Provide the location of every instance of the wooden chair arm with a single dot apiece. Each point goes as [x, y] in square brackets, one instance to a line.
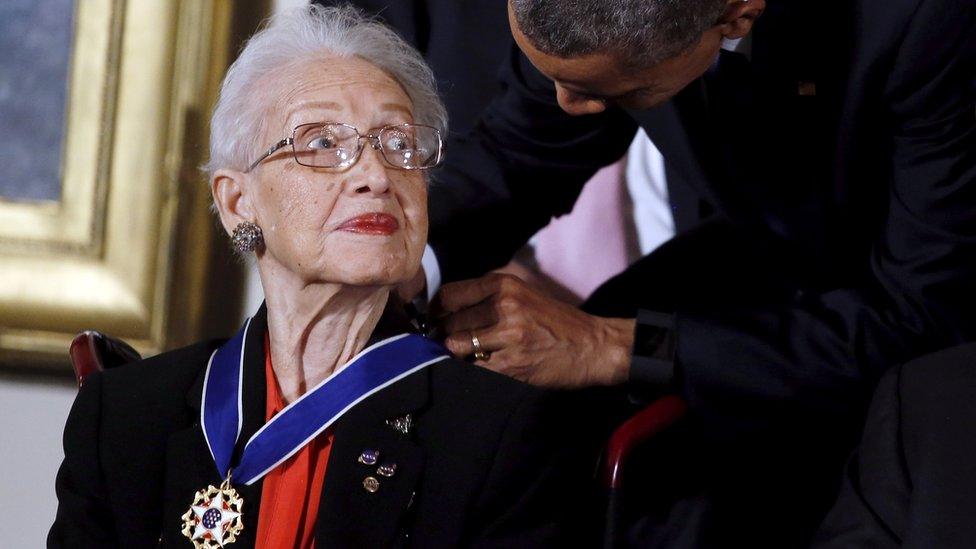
[642, 426]
[92, 351]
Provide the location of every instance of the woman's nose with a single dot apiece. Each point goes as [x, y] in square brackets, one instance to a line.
[370, 174]
[576, 104]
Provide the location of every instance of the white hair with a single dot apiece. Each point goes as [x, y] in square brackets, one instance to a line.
[310, 33]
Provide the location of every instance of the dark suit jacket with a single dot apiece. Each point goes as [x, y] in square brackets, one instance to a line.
[842, 240]
[912, 481]
[489, 462]
[464, 43]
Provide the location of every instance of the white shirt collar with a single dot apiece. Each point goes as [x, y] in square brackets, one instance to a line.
[739, 45]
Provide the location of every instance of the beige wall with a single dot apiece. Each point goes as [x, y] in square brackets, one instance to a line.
[32, 414]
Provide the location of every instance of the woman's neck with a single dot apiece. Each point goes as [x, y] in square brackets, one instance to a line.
[316, 328]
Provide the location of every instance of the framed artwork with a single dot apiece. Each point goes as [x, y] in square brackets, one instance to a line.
[104, 215]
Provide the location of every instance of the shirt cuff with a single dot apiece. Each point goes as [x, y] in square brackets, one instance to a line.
[655, 341]
[432, 271]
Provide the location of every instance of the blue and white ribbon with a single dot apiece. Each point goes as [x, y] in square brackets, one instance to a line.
[221, 414]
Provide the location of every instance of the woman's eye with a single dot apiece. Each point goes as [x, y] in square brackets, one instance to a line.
[396, 142]
[322, 142]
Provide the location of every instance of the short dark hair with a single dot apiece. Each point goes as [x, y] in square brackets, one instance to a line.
[640, 32]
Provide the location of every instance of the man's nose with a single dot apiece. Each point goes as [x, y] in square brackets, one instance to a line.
[577, 104]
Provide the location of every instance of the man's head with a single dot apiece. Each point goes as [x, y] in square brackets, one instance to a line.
[634, 53]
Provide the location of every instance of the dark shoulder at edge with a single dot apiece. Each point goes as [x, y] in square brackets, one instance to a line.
[946, 367]
[172, 370]
[474, 382]
[576, 418]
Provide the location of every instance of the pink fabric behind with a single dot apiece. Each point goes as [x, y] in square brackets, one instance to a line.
[584, 248]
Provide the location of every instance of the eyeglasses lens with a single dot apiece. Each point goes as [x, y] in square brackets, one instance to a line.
[410, 146]
[334, 145]
[325, 145]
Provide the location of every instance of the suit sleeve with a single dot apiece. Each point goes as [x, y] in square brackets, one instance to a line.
[83, 518]
[873, 501]
[818, 355]
[911, 481]
[524, 163]
[535, 494]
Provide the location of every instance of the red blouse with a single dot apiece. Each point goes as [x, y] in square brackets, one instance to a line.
[290, 494]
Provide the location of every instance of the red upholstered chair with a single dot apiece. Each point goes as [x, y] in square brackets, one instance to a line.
[641, 428]
[93, 351]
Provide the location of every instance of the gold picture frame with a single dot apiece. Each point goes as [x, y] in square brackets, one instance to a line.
[130, 248]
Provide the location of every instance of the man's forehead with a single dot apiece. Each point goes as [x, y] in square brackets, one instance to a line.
[585, 69]
[597, 76]
[596, 73]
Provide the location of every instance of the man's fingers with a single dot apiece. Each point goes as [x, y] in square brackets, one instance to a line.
[503, 361]
[480, 316]
[499, 361]
[511, 363]
[461, 344]
[459, 295]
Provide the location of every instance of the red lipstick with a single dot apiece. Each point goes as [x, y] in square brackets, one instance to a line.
[374, 223]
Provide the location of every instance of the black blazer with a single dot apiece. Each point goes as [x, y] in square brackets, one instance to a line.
[912, 481]
[489, 463]
[839, 170]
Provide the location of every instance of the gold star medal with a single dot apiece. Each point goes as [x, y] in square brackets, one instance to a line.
[214, 518]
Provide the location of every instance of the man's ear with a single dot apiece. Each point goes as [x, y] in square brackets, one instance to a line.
[232, 198]
[739, 17]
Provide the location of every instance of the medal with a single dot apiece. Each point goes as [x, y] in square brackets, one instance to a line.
[214, 519]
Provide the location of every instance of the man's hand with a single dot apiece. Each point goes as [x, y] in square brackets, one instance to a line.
[532, 337]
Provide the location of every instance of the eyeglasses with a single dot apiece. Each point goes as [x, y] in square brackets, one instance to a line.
[337, 145]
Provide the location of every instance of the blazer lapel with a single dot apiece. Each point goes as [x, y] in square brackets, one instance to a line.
[676, 128]
[189, 468]
[189, 465]
[694, 140]
[360, 505]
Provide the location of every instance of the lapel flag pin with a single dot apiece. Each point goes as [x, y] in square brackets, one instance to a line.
[403, 424]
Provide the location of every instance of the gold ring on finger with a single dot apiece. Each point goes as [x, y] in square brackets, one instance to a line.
[479, 353]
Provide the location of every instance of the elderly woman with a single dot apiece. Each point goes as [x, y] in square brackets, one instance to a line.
[327, 420]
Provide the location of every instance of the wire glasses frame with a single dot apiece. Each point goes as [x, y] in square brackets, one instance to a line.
[339, 145]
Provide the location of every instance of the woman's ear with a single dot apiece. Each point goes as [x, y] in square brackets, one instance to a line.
[739, 17]
[232, 198]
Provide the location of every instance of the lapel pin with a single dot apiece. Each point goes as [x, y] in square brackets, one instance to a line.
[386, 470]
[369, 457]
[403, 424]
[371, 484]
